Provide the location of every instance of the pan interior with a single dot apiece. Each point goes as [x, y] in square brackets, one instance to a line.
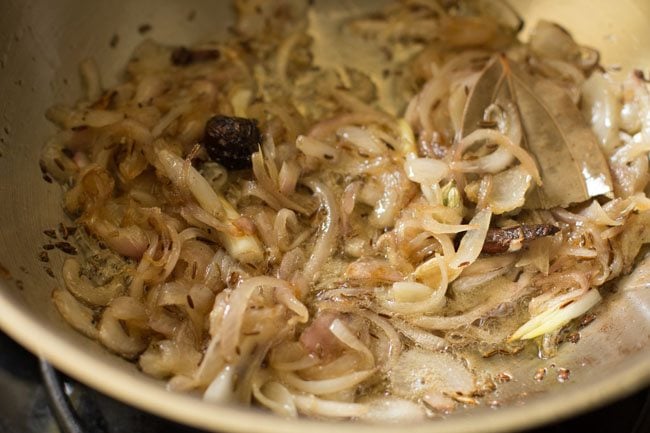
[40, 47]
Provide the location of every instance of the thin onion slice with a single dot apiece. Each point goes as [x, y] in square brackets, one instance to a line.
[553, 319]
[326, 386]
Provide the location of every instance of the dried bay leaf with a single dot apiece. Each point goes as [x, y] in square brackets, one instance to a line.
[571, 164]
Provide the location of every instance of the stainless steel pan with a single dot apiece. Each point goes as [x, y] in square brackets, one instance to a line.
[41, 43]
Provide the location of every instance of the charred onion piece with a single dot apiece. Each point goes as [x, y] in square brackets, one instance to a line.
[182, 56]
[230, 141]
[503, 240]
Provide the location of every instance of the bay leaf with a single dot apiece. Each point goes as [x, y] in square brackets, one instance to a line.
[571, 163]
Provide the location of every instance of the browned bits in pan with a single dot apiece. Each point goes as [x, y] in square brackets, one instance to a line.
[183, 56]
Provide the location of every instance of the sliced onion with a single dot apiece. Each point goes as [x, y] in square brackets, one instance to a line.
[411, 297]
[425, 171]
[342, 332]
[277, 398]
[315, 148]
[328, 232]
[82, 288]
[221, 388]
[555, 318]
[75, 314]
[326, 386]
[601, 107]
[596, 214]
[234, 315]
[508, 190]
[364, 140]
[472, 243]
[177, 169]
[481, 164]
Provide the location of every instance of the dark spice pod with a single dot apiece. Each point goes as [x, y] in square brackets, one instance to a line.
[231, 141]
[503, 240]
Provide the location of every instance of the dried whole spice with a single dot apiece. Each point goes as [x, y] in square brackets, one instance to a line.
[231, 141]
[571, 163]
[503, 240]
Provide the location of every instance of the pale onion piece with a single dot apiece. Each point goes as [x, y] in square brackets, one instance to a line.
[508, 190]
[149, 87]
[113, 335]
[328, 231]
[425, 171]
[288, 177]
[419, 372]
[215, 174]
[245, 248]
[168, 357]
[406, 138]
[410, 291]
[436, 227]
[579, 252]
[485, 265]
[494, 162]
[553, 319]
[276, 397]
[503, 141]
[340, 331]
[550, 40]
[393, 410]
[431, 271]
[314, 406]
[177, 169]
[326, 386]
[417, 297]
[472, 243]
[366, 269]
[221, 389]
[457, 101]
[394, 342]
[364, 140]
[164, 122]
[468, 283]
[537, 255]
[316, 148]
[601, 106]
[289, 300]
[240, 100]
[306, 361]
[130, 310]
[77, 315]
[632, 150]
[386, 209]
[90, 79]
[68, 118]
[83, 289]
[130, 241]
[596, 214]
[233, 317]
